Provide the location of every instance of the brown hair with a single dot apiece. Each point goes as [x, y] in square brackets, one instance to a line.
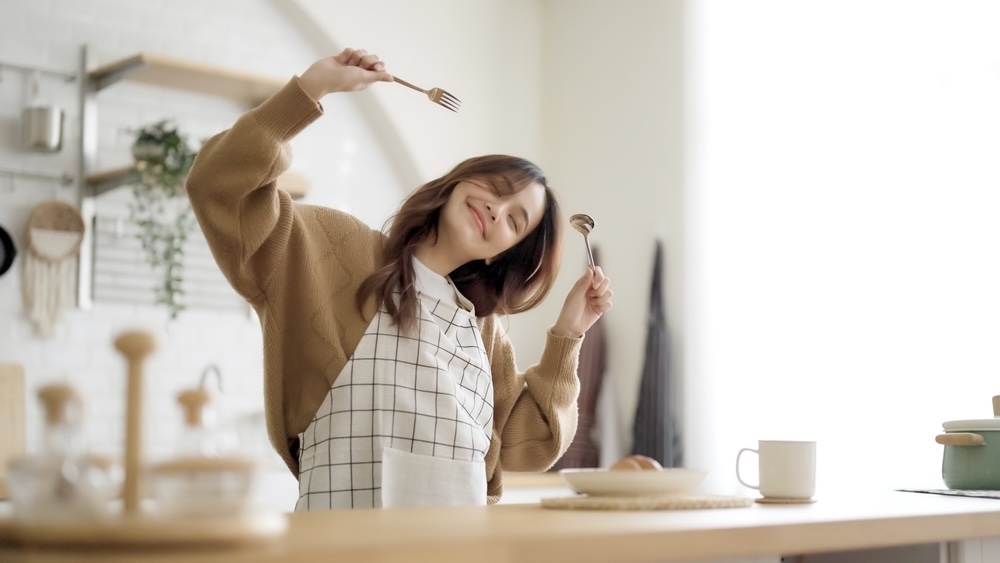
[517, 280]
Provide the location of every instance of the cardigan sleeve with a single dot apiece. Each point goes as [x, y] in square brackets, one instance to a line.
[535, 412]
[246, 219]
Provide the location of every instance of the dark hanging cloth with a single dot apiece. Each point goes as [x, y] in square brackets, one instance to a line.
[583, 451]
[654, 432]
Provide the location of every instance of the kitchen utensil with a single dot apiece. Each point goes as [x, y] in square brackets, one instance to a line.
[585, 224]
[135, 527]
[670, 480]
[61, 484]
[7, 251]
[41, 124]
[201, 481]
[971, 457]
[436, 95]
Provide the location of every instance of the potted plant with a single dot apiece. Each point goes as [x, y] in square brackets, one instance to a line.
[159, 206]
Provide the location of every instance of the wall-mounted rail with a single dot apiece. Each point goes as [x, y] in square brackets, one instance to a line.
[67, 76]
[65, 179]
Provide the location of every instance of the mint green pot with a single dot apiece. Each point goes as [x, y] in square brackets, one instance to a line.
[971, 458]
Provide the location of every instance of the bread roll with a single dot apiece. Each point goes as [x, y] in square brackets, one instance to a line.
[636, 462]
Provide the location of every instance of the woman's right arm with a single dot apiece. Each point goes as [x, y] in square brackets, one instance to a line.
[246, 219]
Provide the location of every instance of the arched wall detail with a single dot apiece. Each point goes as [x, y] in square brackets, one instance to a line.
[387, 134]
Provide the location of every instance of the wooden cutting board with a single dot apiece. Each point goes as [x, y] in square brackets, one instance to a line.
[11, 419]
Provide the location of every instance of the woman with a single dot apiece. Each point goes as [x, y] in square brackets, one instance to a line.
[388, 378]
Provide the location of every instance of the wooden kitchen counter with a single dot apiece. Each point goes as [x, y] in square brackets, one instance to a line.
[528, 532]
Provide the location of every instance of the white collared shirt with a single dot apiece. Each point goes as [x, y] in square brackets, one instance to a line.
[436, 286]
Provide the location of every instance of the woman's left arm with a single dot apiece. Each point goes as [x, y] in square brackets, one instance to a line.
[536, 412]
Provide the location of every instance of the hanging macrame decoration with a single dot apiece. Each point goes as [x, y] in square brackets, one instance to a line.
[52, 237]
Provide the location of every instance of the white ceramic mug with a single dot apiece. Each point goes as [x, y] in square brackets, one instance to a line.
[786, 469]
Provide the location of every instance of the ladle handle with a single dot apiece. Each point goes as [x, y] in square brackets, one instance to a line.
[590, 253]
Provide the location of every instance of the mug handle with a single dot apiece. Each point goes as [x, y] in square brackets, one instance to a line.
[738, 478]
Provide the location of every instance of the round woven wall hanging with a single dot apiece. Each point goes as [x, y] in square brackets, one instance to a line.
[53, 237]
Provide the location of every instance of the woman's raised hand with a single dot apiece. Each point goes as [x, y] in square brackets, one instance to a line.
[589, 298]
[349, 71]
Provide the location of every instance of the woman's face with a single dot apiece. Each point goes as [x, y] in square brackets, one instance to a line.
[483, 219]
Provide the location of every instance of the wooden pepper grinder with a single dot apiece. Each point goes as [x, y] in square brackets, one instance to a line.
[135, 346]
[60, 403]
[193, 402]
[194, 440]
[61, 483]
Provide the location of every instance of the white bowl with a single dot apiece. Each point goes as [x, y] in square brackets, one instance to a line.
[669, 480]
[190, 487]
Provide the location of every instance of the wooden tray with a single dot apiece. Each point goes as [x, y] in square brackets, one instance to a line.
[147, 531]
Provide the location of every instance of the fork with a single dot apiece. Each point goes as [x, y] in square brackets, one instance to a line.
[436, 95]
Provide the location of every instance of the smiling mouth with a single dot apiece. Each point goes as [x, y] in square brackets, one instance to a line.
[479, 219]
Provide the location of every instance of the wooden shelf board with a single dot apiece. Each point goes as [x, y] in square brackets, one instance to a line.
[109, 175]
[169, 72]
[292, 182]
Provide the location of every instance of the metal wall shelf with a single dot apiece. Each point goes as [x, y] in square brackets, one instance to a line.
[168, 72]
[157, 70]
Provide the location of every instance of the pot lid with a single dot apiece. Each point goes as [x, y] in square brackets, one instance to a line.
[977, 424]
[972, 424]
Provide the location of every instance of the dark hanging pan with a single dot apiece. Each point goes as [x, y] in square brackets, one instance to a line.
[7, 251]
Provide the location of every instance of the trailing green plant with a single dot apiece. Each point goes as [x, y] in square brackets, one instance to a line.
[159, 205]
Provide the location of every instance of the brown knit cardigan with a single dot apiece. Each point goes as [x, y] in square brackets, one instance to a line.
[300, 266]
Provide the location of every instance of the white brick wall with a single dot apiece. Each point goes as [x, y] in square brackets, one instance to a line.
[340, 155]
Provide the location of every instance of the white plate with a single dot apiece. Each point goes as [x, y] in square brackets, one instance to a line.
[669, 480]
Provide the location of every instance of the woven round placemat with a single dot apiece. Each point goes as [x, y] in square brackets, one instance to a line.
[660, 502]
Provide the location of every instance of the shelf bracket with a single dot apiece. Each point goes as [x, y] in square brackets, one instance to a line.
[116, 74]
[103, 183]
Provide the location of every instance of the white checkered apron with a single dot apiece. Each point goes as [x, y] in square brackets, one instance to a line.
[408, 420]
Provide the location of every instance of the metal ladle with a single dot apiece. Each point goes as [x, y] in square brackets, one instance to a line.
[585, 224]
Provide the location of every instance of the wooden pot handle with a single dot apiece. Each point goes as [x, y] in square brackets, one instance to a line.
[960, 439]
[996, 405]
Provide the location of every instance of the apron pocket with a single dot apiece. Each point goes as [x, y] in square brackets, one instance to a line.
[419, 480]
